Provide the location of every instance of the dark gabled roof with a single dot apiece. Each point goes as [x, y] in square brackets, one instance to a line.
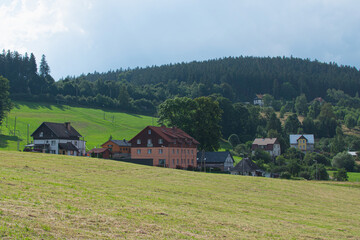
[98, 150]
[60, 130]
[68, 146]
[214, 157]
[246, 165]
[121, 143]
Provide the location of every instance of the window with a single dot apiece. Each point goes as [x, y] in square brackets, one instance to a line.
[173, 161]
[177, 151]
[149, 151]
[192, 151]
[138, 151]
[149, 131]
[138, 141]
[162, 162]
[149, 141]
[41, 134]
[188, 151]
[160, 141]
[177, 161]
[53, 142]
[192, 161]
[110, 145]
[188, 161]
[173, 151]
[160, 151]
[75, 143]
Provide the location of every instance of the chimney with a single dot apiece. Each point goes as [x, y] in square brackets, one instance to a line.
[68, 126]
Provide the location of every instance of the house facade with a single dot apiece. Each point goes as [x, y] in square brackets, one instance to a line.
[248, 168]
[303, 142]
[167, 147]
[118, 148]
[258, 100]
[270, 145]
[216, 160]
[100, 153]
[58, 138]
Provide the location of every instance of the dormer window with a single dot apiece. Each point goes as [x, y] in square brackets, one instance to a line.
[41, 134]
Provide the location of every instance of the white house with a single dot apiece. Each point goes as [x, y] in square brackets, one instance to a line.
[270, 145]
[58, 138]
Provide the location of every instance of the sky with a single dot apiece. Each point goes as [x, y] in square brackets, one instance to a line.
[82, 36]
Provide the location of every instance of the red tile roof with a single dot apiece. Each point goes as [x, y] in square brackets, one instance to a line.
[172, 134]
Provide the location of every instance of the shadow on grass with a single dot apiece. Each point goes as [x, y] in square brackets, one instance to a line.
[37, 105]
[4, 140]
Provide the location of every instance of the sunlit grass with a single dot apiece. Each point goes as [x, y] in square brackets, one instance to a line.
[47, 196]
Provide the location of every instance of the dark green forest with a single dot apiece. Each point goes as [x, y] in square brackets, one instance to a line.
[143, 89]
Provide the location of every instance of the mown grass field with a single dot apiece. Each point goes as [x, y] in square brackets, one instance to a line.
[45, 196]
[95, 125]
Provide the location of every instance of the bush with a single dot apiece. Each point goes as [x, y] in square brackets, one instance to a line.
[343, 160]
[285, 175]
[340, 175]
[305, 174]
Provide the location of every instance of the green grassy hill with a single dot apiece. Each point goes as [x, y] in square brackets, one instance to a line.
[46, 196]
[94, 124]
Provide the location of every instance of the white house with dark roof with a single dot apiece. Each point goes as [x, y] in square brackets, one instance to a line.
[58, 138]
[270, 145]
[303, 142]
[221, 160]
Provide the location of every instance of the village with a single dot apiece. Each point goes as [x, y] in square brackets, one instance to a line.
[161, 147]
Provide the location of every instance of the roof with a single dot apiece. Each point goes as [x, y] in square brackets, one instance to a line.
[173, 134]
[68, 146]
[264, 141]
[214, 157]
[259, 96]
[60, 130]
[121, 143]
[246, 165]
[98, 150]
[295, 137]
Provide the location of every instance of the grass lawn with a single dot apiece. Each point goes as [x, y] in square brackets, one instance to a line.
[354, 176]
[94, 124]
[47, 196]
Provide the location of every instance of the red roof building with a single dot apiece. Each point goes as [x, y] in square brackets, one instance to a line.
[167, 147]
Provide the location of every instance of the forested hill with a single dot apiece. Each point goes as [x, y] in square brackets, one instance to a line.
[143, 89]
[240, 78]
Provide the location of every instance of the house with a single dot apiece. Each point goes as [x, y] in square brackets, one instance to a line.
[167, 147]
[258, 100]
[100, 153]
[270, 145]
[216, 160]
[320, 100]
[303, 142]
[118, 148]
[247, 167]
[58, 138]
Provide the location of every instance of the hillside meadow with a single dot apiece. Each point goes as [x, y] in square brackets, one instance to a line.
[95, 125]
[45, 196]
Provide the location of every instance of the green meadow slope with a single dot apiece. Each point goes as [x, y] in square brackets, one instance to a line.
[45, 196]
[94, 124]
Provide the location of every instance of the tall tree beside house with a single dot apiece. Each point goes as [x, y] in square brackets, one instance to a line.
[5, 103]
[200, 118]
[207, 123]
[301, 105]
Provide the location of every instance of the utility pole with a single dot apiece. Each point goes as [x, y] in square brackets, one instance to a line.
[15, 127]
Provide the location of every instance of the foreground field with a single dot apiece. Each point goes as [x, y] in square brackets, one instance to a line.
[94, 124]
[49, 196]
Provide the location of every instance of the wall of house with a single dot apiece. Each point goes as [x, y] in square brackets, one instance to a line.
[170, 156]
[54, 145]
[116, 148]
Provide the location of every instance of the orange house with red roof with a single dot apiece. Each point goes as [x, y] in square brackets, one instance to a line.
[167, 147]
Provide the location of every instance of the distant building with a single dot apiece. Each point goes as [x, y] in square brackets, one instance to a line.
[118, 148]
[220, 160]
[303, 142]
[57, 138]
[258, 100]
[247, 167]
[100, 153]
[270, 145]
[167, 147]
[319, 100]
